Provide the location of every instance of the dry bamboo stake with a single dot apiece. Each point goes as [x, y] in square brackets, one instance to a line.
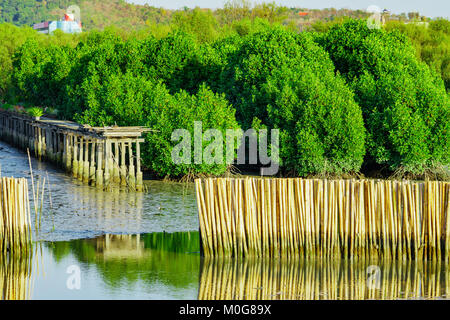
[243, 241]
[295, 217]
[223, 218]
[301, 214]
[446, 197]
[438, 218]
[203, 228]
[308, 230]
[15, 229]
[393, 225]
[274, 211]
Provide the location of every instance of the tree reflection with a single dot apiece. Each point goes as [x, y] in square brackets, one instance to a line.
[121, 260]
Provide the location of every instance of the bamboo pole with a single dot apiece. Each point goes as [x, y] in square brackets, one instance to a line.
[289, 218]
[15, 224]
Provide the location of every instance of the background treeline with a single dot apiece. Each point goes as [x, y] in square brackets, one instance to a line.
[98, 14]
[345, 99]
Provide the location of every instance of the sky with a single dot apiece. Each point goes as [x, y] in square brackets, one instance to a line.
[429, 8]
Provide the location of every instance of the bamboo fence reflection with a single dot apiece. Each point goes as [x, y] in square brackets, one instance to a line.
[318, 279]
[16, 276]
[255, 217]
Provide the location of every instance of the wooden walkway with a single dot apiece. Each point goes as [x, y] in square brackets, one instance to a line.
[100, 156]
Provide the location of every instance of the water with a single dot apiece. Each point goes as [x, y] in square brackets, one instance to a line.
[74, 210]
[169, 266]
[145, 246]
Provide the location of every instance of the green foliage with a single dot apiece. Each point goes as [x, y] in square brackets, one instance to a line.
[35, 111]
[132, 100]
[11, 37]
[288, 82]
[404, 103]
[6, 106]
[213, 110]
[172, 60]
[134, 82]
[247, 72]
[432, 44]
[202, 24]
[40, 72]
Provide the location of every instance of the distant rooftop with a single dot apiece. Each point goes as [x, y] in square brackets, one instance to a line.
[68, 24]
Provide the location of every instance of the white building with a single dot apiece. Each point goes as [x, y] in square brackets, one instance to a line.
[67, 25]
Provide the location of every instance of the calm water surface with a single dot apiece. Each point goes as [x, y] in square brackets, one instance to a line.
[169, 266]
[73, 210]
[142, 246]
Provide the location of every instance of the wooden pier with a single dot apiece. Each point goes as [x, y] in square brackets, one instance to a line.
[100, 156]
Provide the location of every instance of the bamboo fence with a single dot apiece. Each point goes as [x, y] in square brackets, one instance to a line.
[322, 279]
[257, 217]
[15, 221]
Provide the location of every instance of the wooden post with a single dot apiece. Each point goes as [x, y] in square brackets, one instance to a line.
[49, 148]
[24, 136]
[92, 164]
[99, 180]
[59, 148]
[55, 147]
[17, 141]
[40, 143]
[80, 159]
[86, 162]
[75, 156]
[64, 152]
[33, 139]
[23, 141]
[30, 141]
[44, 141]
[107, 162]
[116, 173]
[139, 179]
[69, 140]
[123, 166]
[131, 174]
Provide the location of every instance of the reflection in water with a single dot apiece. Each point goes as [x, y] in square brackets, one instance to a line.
[169, 266]
[156, 266]
[319, 280]
[114, 211]
[120, 246]
[15, 276]
[122, 260]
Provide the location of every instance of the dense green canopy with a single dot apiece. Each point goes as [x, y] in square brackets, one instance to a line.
[287, 81]
[405, 106]
[348, 97]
